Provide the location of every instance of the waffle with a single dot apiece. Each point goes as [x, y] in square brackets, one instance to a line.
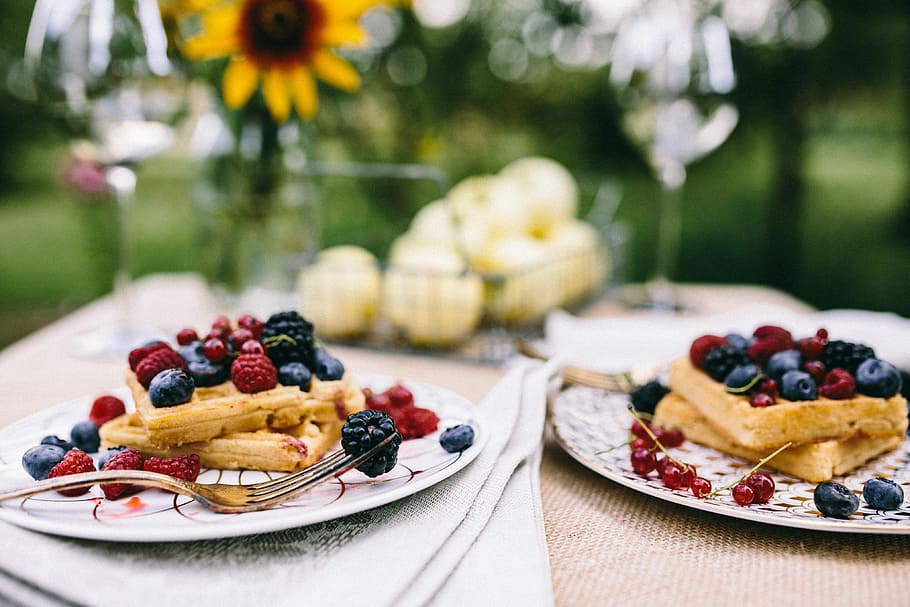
[223, 409]
[765, 428]
[813, 462]
[266, 450]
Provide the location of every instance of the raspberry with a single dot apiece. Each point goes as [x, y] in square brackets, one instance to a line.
[105, 408]
[701, 346]
[763, 349]
[838, 385]
[74, 462]
[400, 397]
[128, 459]
[156, 362]
[414, 422]
[184, 467]
[378, 402]
[811, 347]
[773, 332]
[136, 356]
[253, 373]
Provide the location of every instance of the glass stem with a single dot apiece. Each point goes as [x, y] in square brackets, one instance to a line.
[122, 182]
[672, 178]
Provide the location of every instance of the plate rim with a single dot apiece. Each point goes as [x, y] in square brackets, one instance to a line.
[756, 516]
[295, 517]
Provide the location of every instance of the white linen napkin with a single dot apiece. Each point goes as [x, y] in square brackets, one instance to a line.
[447, 545]
[646, 339]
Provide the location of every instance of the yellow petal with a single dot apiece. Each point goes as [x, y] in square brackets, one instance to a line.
[341, 33]
[336, 71]
[240, 80]
[218, 36]
[303, 87]
[349, 9]
[276, 94]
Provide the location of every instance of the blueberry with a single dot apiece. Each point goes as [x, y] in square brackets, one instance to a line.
[85, 436]
[798, 385]
[742, 377]
[171, 387]
[295, 374]
[879, 378]
[326, 366]
[883, 494]
[56, 440]
[738, 341]
[39, 460]
[108, 454]
[783, 361]
[206, 373]
[192, 352]
[457, 438]
[835, 500]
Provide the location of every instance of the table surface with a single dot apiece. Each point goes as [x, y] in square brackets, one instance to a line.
[606, 542]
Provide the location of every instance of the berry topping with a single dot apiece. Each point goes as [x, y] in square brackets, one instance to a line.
[156, 362]
[457, 438]
[646, 396]
[288, 336]
[773, 332]
[39, 460]
[221, 325]
[84, 435]
[108, 454]
[53, 439]
[295, 373]
[816, 369]
[762, 486]
[187, 336]
[253, 373]
[136, 356]
[127, 459]
[192, 352]
[75, 461]
[670, 438]
[739, 342]
[700, 486]
[761, 399]
[845, 355]
[812, 347]
[781, 362]
[214, 350]
[743, 494]
[251, 323]
[378, 402]
[105, 408]
[883, 494]
[743, 378]
[719, 361]
[205, 373]
[701, 346]
[171, 387]
[362, 431]
[240, 337]
[414, 422]
[838, 385]
[878, 378]
[184, 467]
[768, 386]
[671, 474]
[252, 347]
[326, 366]
[798, 385]
[400, 397]
[643, 461]
[835, 500]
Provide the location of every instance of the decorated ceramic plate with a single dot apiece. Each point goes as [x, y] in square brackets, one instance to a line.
[155, 516]
[593, 427]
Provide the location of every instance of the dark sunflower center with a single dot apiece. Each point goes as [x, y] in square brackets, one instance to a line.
[280, 31]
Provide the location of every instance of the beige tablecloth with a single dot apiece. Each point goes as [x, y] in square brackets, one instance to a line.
[607, 544]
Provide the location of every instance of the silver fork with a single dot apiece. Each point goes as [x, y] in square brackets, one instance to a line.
[217, 497]
[624, 382]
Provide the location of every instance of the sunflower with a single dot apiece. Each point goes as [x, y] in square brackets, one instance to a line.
[282, 46]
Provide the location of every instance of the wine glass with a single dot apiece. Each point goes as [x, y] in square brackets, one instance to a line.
[672, 67]
[101, 69]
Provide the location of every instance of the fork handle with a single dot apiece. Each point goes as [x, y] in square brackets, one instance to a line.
[87, 479]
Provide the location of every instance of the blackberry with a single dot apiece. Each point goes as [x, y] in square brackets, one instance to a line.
[720, 360]
[839, 354]
[366, 428]
[646, 396]
[288, 337]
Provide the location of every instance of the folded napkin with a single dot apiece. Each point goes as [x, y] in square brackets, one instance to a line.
[647, 339]
[475, 538]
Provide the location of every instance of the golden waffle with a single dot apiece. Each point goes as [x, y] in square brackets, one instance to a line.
[223, 409]
[266, 450]
[814, 462]
[765, 428]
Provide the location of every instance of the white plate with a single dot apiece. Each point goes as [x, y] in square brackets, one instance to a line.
[157, 516]
[594, 429]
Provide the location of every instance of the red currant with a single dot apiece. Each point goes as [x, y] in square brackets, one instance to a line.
[240, 337]
[643, 461]
[638, 429]
[688, 475]
[642, 443]
[255, 326]
[672, 476]
[768, 386]
[252, 347]
[187, 336]
[743, 494]
[221, 323]
[662, 464]
[215, 350]
[816, 369]
[760, 399]
[762, 485]
[700, 486]
[672, 438]
[811, 347]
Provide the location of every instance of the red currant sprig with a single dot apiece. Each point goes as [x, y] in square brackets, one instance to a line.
[674, 473]
[753, 487]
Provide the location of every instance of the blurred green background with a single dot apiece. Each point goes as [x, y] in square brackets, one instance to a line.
[811, 194]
